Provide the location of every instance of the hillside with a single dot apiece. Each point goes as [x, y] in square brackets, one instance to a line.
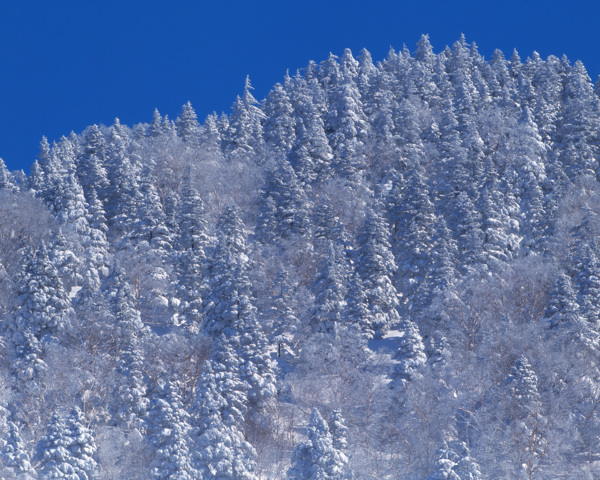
[382, 270]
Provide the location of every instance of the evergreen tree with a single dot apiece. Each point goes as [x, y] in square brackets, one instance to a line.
[221, 452]
[187, 124]
[91, 171]
[346, 128]
[67, 451]
[193, 239]
[375, 265]
[562, 309]
[169, 430]
[279, 122]
[245, 132]
[413, 226]
[229, 309]
[411, 351]
[285, 210]
[42, 311]
[7, 179]
[317, 457]
[330, 292]
[14, 458]
[310, 154]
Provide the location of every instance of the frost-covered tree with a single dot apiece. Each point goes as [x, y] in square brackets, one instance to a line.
[15, 461]
[187, 125]
[285, 205]
[191, 244]
[317, 457]
[375, 264]
[330, 292]
[169, 431]
[221, 451]
[244, 134]
[310, 154]
[68, 448]
[279, 122]
[41, 312]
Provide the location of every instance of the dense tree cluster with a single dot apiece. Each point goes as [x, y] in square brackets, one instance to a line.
[385, 271]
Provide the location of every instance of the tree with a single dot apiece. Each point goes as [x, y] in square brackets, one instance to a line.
[15, 461]
[229, 310]
[330, 292]
[317, 457]
[346, 128]
[285, 207]
[67, 451]
[375, 265]
[193, 239]
[169, 430]
[187, 124]
[221, 452]
[310, 154]
[245, 132]
[41, 313]
[413, 224]
[279, 122]
[411, 351]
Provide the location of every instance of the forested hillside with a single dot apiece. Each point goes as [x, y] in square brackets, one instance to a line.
[380, 271]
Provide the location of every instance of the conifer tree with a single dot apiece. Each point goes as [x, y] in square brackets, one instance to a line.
[193, 239]
[68, 449]
[245, 132]
[221, 452]
[187, 124]
[310, 154]
[317, 457]
[15, 460]
[330, 292]
[279, 123]
[7, 179]
[375, 265]
[287, 213]
[169, 430]
[41, 313]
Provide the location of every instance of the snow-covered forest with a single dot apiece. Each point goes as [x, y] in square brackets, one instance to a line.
[383, 270]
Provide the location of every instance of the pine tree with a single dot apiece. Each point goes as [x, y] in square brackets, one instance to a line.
[330, 292]
[41, 313]
[279, 123]
[413, 217]
[221, 452]
[187, 124]
[375, 265]
[14, 458]
[411, 351]
[310, 154]
[193, 239]
[245, 132]
[338, 430]
[317, 457]
[347, 128]
[7, 179]
[285, 205]
[91, 171]
[67, 451]
[169, 430]
[229, 309]
[577, 133]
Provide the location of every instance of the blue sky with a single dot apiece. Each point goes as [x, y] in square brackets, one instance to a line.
[67, 64]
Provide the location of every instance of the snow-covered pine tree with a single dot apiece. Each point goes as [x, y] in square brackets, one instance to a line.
[41, 312]
[169, 430]
[375, 264]
[317, 457]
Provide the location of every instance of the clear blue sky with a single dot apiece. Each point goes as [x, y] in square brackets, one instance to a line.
[67, 64]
